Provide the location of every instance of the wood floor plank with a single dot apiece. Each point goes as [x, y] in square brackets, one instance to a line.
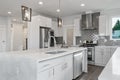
[93, 73]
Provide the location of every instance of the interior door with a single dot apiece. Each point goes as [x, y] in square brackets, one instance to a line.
[2, 39]
[70, 37]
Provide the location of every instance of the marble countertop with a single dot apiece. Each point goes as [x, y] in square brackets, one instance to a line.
[40, 54]
[112, 69]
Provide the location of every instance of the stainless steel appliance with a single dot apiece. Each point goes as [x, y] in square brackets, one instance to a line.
[47, 38]
[91, 55]
[44, 37]
[90, 50]
[90, 20]
[77, 67]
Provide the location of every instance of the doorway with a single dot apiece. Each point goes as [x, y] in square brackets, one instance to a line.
[2, 38]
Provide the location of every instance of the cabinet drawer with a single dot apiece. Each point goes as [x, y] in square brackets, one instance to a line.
[49, 63]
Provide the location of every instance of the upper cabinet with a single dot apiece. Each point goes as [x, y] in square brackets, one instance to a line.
[104, 25]
[77, 29]
[83, 21]
[45, 21]
[95, 20]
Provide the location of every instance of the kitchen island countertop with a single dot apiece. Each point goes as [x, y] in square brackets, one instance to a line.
[112, 69]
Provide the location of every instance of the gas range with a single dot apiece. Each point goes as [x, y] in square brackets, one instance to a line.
[88, 45]
[90, 51]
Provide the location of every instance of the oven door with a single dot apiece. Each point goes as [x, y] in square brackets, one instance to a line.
[91, 54]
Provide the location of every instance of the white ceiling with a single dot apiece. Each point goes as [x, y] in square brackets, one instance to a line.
[68, 7]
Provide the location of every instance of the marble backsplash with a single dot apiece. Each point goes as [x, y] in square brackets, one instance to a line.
[93, 35]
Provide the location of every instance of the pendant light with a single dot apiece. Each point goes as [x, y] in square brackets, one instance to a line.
[59, 19]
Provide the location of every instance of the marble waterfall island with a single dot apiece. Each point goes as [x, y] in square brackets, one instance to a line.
[40, 64]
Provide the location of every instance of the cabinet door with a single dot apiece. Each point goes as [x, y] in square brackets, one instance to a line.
[46, 74]
[113, 49]
[49, 22]
[59, 73]
[98, 56]
[106, 55]
[83, 21]
[104, 25]
[95, 20]
[68, 67]
[43, 21]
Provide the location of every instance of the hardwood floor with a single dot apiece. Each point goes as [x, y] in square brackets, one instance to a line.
[93, 73]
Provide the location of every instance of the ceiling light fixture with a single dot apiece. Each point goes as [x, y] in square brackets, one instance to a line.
[58, 10]
[82, 5]
[59, 19]
[9, 12]
[40, 3]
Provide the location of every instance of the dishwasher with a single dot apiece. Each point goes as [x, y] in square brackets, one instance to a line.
[77, 64]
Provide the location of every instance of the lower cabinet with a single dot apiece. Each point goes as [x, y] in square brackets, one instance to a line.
[64, 71]
[46, 74]
[103, 54]
[59, 72]
[56, 69]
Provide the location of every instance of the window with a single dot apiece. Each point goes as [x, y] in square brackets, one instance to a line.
[115, 28]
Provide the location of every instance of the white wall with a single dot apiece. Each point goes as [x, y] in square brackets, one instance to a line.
[69, 20]
[18, 36]
[6, 21]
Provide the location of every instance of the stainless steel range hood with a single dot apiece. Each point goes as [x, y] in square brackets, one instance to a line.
[90, 21]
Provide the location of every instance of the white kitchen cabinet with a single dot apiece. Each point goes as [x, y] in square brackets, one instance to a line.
[103, 54]
[77, 30]
[68, 67]
[106, 55]
[45, 21]
[113, 49]
[46, 74]
[49, 22]
[56, 69]
[59, 72]
[104, 29]
[64, 71]
[99, 55]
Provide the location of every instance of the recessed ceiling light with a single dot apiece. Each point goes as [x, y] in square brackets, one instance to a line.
[82, 5]
[41, 3]
[9, 12]
[58, 10]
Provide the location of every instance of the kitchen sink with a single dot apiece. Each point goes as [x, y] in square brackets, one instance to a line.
[55, 52]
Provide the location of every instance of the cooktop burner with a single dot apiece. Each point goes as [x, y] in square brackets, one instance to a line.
[88, 45]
